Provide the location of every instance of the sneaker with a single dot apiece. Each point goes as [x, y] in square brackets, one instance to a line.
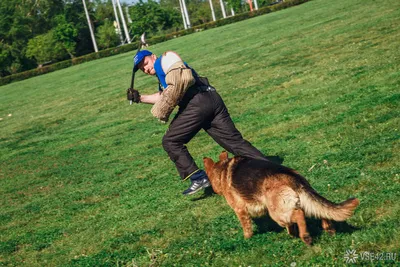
[196, 186]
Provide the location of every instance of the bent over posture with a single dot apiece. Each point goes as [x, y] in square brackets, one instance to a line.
[200, 107]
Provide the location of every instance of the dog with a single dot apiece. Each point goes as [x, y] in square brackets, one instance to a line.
[254, 188]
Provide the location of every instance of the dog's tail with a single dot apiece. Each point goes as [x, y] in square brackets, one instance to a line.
[317, 206]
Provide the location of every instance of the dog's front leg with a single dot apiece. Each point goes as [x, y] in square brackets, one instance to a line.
[292, 230]
[245, 220]
[242, 213]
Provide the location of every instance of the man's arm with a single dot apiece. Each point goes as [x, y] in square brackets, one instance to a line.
[179, 78]
[150, 99]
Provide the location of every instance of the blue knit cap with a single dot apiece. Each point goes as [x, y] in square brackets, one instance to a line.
[139, 57]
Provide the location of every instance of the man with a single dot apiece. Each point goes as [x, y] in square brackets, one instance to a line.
[200, 107]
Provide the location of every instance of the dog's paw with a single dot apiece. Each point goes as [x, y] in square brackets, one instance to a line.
[331, 232]
[307, 240]
[247, 235]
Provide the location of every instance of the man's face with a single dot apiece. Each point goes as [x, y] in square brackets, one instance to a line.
[147, 65]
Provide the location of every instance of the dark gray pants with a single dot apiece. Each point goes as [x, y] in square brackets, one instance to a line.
[205, 110]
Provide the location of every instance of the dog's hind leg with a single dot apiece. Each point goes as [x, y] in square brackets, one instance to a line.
[281, 201]
[328, 226]
[299, 218]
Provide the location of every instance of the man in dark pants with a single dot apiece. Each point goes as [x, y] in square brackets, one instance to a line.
[200, 107]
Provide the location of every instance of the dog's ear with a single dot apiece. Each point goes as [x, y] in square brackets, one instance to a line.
[208, 163]
[223, 156]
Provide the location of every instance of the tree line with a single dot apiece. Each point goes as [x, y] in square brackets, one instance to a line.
[38, 32]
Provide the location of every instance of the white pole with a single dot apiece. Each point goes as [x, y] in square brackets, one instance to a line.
[186, 13]
[127, 14]
[256, 4]
[128, 38]
[183, 14]
[90, 27]
[118, 25]
[212, 10]
[232, 11]
[222, 8]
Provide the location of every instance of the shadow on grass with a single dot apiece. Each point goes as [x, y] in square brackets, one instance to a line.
[266, 224]
[315, 228]
[208, 192]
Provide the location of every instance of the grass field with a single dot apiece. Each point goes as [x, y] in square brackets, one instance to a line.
[84, 180]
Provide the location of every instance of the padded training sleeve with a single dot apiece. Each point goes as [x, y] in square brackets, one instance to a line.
[169, 58]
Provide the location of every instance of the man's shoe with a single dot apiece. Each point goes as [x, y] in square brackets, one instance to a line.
[197, 185]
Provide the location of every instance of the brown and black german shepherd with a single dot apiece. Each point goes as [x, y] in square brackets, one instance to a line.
[254, 187]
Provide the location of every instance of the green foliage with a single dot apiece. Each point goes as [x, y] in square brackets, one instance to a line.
[103, 11]
[5, 58]
[237, 5]
[153, 40]
[14, 34]
[45, 48]
[199, 12]
[19, 22]
[65, 33]
[267, 2]
[106, 36]
[151, 18]
[23, 21]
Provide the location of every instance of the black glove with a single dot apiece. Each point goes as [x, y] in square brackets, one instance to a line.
[133, 95]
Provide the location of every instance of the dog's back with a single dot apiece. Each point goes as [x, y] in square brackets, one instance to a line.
[252, 176]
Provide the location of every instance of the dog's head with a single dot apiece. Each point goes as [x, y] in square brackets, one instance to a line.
[209, 164]
[215, 170]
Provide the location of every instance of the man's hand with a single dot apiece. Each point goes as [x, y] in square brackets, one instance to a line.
[133, 95]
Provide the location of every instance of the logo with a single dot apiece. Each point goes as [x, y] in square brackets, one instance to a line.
[351, 256]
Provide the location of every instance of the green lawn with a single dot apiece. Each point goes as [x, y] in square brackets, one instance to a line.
[84, 180]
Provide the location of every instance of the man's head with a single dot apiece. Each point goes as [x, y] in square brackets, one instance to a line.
[144, 61]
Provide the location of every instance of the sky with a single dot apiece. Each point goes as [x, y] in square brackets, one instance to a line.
[128, 1]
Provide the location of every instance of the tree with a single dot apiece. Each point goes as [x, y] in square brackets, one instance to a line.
[5, 59]
[265, 2]
[199, 11]
[75, 15]
[151, 18]
[236, 4]
[19, 22]
[65, 33]
[106, 35]
[102, 11]
[45, 48]
[14, 34]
